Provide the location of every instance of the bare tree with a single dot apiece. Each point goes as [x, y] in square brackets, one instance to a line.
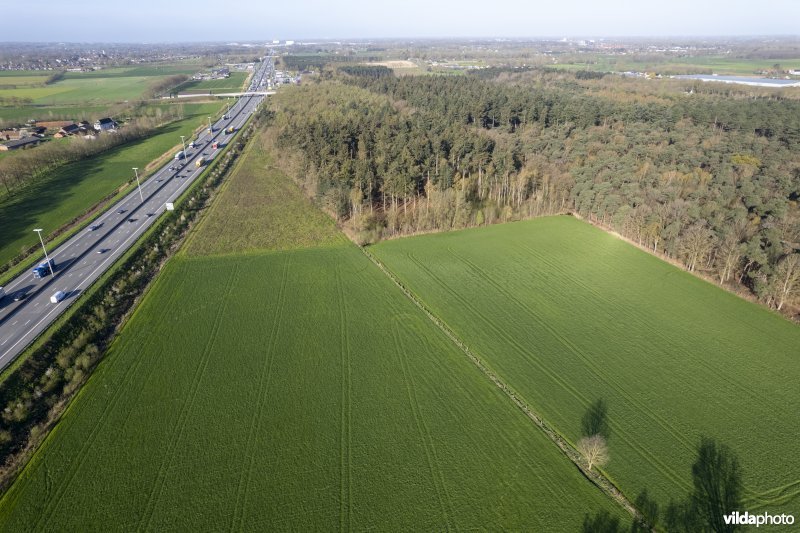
[786, 281]
[595, 450]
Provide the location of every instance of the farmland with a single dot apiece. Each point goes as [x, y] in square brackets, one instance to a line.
[566, 314]
[86, 88]
[290, 390]
[74, 188]
[223, 85]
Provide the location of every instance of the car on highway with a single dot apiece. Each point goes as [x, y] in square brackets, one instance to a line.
[94, 227]
[119, 212]
[57, 297]
[20, 296]
[132, 220]
[101, 251]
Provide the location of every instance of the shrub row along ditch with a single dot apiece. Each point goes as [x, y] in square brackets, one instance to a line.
[36, 393]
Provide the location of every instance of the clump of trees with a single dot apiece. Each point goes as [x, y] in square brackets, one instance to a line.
[707, 181]
[55, 77]
[164, 85]
[367, 71]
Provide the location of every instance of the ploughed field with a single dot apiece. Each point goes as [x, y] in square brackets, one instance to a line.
[274, 386]
[567, 314]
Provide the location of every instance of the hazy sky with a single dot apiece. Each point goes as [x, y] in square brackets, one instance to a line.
[218, 20]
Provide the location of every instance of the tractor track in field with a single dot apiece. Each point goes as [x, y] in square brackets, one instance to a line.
[264, 380]
[346, 423]
[186, 408]
[445, 504]
[53, 503]
[597, 478]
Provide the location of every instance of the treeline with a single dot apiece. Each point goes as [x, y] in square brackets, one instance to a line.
[318, 61]
[15, 101]
[709, 182]
[366, 71]
[166, 84]
[35, 394]
[26, 166]
[58, 76]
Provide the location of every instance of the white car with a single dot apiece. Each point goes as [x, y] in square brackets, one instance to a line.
[57, 297]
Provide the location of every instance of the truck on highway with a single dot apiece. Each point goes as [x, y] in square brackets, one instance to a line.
[180, 155]
[200, 162]
[57, 297]
[43, 269]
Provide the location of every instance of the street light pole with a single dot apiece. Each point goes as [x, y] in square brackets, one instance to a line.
[136, 171]
[209, 125]
[184, 146]
[49, 264]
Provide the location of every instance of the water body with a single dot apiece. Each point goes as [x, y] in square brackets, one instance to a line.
[743, 80]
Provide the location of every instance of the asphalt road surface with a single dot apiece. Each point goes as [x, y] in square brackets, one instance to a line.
[84, 257]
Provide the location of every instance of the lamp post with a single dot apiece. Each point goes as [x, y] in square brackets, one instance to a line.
[209, 126]
[136, 171]
[49, 264]
[184, 146]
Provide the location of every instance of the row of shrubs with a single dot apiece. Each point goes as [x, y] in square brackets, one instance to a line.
[35, 394]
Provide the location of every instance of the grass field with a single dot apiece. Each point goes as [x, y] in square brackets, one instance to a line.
[250, 204]
[224, 85]
[89, 88]
[567, 314]
[291, 390]
[74, 188]
[46, 113]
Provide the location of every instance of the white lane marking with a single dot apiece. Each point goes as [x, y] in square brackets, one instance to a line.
[37, 303]
[5, 341]
[15, 323]
[110, 213]
[57, 306]
[26, 323]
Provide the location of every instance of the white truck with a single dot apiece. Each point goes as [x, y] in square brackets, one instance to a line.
[57, 297]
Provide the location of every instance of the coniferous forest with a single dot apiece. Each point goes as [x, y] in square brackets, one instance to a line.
[708, 177]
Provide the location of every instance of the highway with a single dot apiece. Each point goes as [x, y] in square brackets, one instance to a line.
[84, 257]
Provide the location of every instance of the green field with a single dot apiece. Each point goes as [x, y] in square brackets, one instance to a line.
[291, 390]
[224, 85]
[47, 113]
[249, 205]
[89, 88]
[74, 188]
[566, 314]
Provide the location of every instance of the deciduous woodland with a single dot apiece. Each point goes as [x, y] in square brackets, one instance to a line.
[708, 179]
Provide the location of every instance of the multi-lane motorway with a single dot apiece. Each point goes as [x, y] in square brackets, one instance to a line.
[84, 257]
